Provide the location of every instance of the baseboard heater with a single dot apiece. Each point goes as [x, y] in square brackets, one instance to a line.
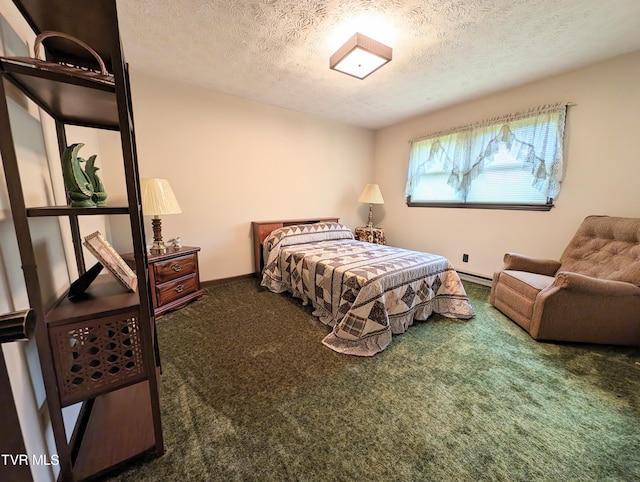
[475, 278]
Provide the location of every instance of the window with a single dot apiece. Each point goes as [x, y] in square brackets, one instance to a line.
[512, 162]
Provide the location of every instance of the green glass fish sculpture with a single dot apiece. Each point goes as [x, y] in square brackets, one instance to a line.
[79, 187]
[99, 195]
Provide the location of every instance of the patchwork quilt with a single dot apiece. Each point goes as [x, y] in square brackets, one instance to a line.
[365, 291]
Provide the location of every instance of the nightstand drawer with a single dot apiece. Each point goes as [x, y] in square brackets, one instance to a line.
[174, 278]
[174, 268]
[168, 292]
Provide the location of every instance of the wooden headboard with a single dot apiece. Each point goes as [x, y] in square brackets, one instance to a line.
[262, 229]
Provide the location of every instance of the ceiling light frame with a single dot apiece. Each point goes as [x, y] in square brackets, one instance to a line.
[369, 49]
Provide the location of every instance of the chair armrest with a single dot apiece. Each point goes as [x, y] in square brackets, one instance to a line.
[586, 284]
[519, 262]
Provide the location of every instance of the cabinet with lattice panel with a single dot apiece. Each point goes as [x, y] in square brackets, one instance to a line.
[96, 349]
[101, 350]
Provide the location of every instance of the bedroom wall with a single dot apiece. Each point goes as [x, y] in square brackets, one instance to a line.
[231, 161]
[601, 149]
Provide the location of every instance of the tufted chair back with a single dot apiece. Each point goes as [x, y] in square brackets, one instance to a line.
[605, 247]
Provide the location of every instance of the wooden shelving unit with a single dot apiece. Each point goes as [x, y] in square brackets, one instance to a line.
[66, 98]
[100, 350]
[105, 297]
[69, 211]
[106, 445]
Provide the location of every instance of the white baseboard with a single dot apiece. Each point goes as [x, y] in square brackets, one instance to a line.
[475, 278]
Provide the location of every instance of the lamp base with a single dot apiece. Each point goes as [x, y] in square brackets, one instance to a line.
[370, 221]
[158, 248]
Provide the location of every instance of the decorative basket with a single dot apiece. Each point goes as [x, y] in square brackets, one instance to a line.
[102, 76]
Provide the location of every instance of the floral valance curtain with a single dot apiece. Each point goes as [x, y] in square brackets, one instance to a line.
[534, 137]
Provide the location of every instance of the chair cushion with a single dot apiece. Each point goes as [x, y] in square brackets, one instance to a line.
[605, 247]
[516, 292]
[529, 284]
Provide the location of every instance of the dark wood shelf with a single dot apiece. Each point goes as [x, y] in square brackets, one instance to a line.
[69, 211]
[105, 297]
[95, 22]
[67, 98]
[119, 428]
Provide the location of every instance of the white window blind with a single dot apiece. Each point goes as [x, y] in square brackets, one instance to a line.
[514, 161]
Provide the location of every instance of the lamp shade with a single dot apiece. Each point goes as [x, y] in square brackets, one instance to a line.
[158, 198]
[371, 194]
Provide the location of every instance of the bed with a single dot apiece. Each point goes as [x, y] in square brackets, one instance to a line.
[366, 292]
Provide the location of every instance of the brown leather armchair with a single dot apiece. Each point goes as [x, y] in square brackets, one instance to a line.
[591, 295]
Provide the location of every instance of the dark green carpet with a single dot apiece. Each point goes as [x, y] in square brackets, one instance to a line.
[250, 393]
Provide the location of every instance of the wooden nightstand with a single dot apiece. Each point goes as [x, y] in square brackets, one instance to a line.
[174, 278]
[371, 235]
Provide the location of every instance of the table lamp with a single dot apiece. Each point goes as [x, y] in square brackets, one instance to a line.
[157, 199]
[372, 195]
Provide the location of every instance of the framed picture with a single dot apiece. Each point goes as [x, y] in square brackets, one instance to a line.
[110, 259]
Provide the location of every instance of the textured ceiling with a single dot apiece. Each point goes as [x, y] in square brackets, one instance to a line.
[444, 51]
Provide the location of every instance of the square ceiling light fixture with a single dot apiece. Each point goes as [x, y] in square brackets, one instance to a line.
[360, 56]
